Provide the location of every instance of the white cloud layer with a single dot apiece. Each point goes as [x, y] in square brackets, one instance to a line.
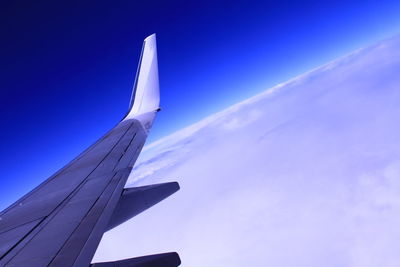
[305, 174]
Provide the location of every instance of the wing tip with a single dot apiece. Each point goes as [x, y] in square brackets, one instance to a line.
[150, 37]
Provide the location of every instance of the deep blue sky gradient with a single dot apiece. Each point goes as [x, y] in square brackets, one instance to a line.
[67, 67]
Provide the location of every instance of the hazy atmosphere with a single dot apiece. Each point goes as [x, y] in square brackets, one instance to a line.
[279, 119]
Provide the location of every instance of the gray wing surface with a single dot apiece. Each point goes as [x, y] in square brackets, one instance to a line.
[61, 222]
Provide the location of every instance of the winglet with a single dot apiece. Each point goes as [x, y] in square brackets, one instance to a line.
[145, 99]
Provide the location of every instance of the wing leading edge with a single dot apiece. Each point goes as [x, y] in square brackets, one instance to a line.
[61, 222]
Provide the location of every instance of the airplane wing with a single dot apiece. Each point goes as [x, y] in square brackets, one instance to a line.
[61, 222]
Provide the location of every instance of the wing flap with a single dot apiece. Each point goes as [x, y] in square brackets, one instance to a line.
[170, 259]
[137, 199]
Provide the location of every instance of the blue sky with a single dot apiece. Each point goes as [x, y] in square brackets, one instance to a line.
[68, 67]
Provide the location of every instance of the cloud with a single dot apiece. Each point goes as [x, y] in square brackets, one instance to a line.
[304, 174]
